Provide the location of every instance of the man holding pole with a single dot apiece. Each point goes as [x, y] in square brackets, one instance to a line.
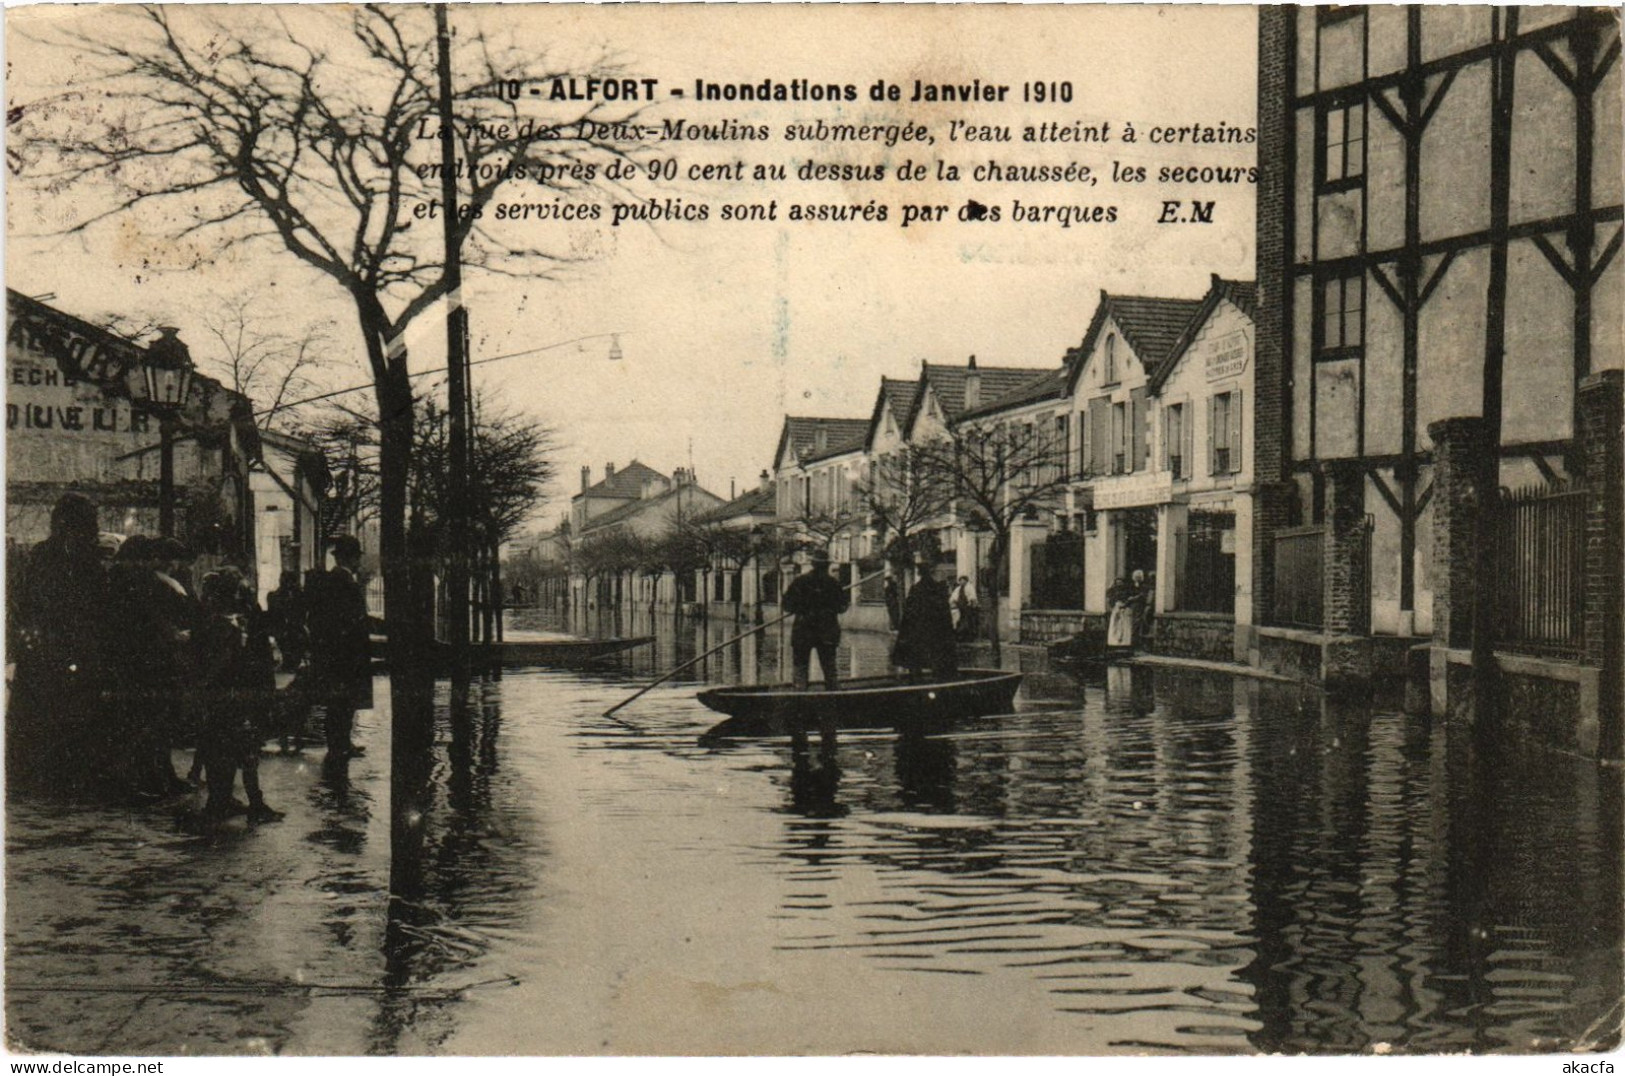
[817, 600]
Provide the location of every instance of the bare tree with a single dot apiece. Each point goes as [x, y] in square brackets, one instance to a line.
[999, 473]
[903, 495]
[818, 528]
[315, 130]
[277, 370]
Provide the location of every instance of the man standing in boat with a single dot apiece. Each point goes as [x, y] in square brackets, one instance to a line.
[925, 639]
[817, 600]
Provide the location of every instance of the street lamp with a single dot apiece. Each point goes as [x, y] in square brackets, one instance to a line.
[166, 378]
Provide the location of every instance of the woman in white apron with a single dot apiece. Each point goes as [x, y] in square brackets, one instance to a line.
[1120, 625]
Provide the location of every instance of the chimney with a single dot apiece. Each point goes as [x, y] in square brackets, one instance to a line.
[763, 479]
[971, 365]
[586, 478]
[821, 439]
[609, 470]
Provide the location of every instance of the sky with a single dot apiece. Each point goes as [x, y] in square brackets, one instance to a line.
[726, 327]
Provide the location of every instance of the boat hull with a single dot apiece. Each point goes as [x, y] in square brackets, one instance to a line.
[526, 653]
[562, 653]
[876, 702]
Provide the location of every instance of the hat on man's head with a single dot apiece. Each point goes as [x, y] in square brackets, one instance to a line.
[345, 545]
[820, 556]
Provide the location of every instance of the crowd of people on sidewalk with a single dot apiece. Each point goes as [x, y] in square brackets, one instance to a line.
[119, 659]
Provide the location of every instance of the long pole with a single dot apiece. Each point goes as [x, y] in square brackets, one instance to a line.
[166, 476]
[651, 685]
[456, 364]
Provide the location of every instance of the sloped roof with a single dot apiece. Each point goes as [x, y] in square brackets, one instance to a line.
[625, 482]
[1043, 385]
[621, 513]
[761, 501]
[947, 384]
[898, 396]
[1152, 325]
[839, 435]
[1242, 293]
[895, 397]
[306, 452]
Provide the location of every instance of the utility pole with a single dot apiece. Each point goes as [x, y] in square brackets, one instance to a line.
[457, 397]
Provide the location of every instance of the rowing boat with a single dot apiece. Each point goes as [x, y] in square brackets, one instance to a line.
[870, 702]
[556, 653]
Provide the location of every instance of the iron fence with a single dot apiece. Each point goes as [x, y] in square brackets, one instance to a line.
[1540, 570]
[1299, 578]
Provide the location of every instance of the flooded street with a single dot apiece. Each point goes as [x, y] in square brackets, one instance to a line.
[1146, 861]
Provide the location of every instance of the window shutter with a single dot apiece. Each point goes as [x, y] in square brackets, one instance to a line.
[1212, 422]
[1083, 446]
[1138, 428]
[1187, 414]
[1100, 427]
[1167, 433]
[1235, 430]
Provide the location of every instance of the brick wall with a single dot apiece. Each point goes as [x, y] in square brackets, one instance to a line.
[1600, 407]
[1039, 627]
[1458, 445]
[1277, 164]
[1346, 599]
[1209, 636]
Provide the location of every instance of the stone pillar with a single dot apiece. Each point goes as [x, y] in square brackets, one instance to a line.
[1172, 530]
[1599, 452]
[1347, 597]
[1024, 534]
[1245, 580]
[1458, 444]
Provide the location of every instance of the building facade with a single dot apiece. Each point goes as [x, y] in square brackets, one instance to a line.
[1201, 434]
[1439, 223]
[75, 423]
[287, 485]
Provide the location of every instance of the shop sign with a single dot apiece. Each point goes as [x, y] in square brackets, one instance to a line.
[1132, 491]
[1228, 356]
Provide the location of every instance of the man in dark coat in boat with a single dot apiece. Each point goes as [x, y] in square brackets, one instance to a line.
[926, 635]
[817, 600]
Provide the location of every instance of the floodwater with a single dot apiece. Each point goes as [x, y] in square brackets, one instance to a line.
[1145, 862]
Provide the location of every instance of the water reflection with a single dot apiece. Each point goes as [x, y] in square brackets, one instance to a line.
[1141, 861]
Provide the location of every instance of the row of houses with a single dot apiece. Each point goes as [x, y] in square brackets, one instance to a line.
[1305, 464]
[1140, 436]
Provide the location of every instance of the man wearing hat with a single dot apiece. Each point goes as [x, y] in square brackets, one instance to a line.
[925, 638]
[817, 601]
[340, 648]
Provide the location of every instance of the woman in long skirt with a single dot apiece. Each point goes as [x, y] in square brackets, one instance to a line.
[1120, 626]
